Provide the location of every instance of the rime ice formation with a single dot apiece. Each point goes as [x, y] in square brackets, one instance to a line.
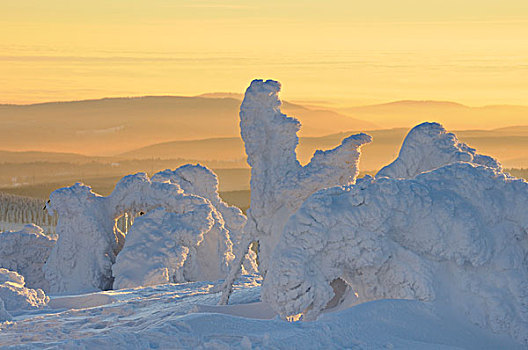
[457, 233]
[88, 237]
[25, 252]
[429, 146]
[16, 296]
[164, 246]
[279, 184]
[203, 182]
[169, 247]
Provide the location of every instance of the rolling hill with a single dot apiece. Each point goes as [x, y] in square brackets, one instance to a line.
[454, 116]
[509, 145]
[115, 125]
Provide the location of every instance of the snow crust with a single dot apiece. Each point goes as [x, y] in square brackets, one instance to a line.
[458, 232]
[279, 184]
[15, 296]
[429, 146]
[25, 252]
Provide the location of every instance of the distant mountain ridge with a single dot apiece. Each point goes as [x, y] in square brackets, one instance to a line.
[453, 115]
[115, 125]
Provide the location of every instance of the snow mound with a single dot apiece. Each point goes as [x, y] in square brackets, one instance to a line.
[279, 184]
[457, 234]
[89, 239]
[25, 252]
[14, 296]
[429, 146]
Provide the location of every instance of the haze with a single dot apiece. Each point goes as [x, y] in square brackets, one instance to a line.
[339, 53]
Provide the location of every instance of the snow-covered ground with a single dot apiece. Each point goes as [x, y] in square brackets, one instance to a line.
[185, 316]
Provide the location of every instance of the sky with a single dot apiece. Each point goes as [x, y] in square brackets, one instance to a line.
[335, 52]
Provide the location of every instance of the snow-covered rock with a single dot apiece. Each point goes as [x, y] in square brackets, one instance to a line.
[25, 252]
[15, 296]
[279, 184]
[429, 146]
[88, 236]
[457, 234]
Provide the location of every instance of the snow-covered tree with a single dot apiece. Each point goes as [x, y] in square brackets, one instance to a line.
[279, 183]
[456, 233]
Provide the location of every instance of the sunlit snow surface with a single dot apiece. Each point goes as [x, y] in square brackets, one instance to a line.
[185, 316]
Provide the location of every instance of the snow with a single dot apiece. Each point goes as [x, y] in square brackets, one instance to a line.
[279, 184]
[4, 315]
[15, 296]
[456, 233]
[164, 247]
[430, 254]
[202, 181]
[191, 245]
[429, 146]
[82, 301]
[167, 317]
[25, 252]
[88, 237]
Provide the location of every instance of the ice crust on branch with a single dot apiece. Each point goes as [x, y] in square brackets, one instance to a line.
[279, 184]
[15, 296]
[429, 146]
[88, 237]
[457, 233]
[26, 252]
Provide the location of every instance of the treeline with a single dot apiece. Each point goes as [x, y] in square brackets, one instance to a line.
[17, 210]
[518, 172]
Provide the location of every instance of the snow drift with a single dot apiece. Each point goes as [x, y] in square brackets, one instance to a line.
[26, 252]
[429, 146]
[15, 296]
[457, 233]
[279, 184]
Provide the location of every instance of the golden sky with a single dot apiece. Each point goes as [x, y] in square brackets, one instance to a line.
[345, 52]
